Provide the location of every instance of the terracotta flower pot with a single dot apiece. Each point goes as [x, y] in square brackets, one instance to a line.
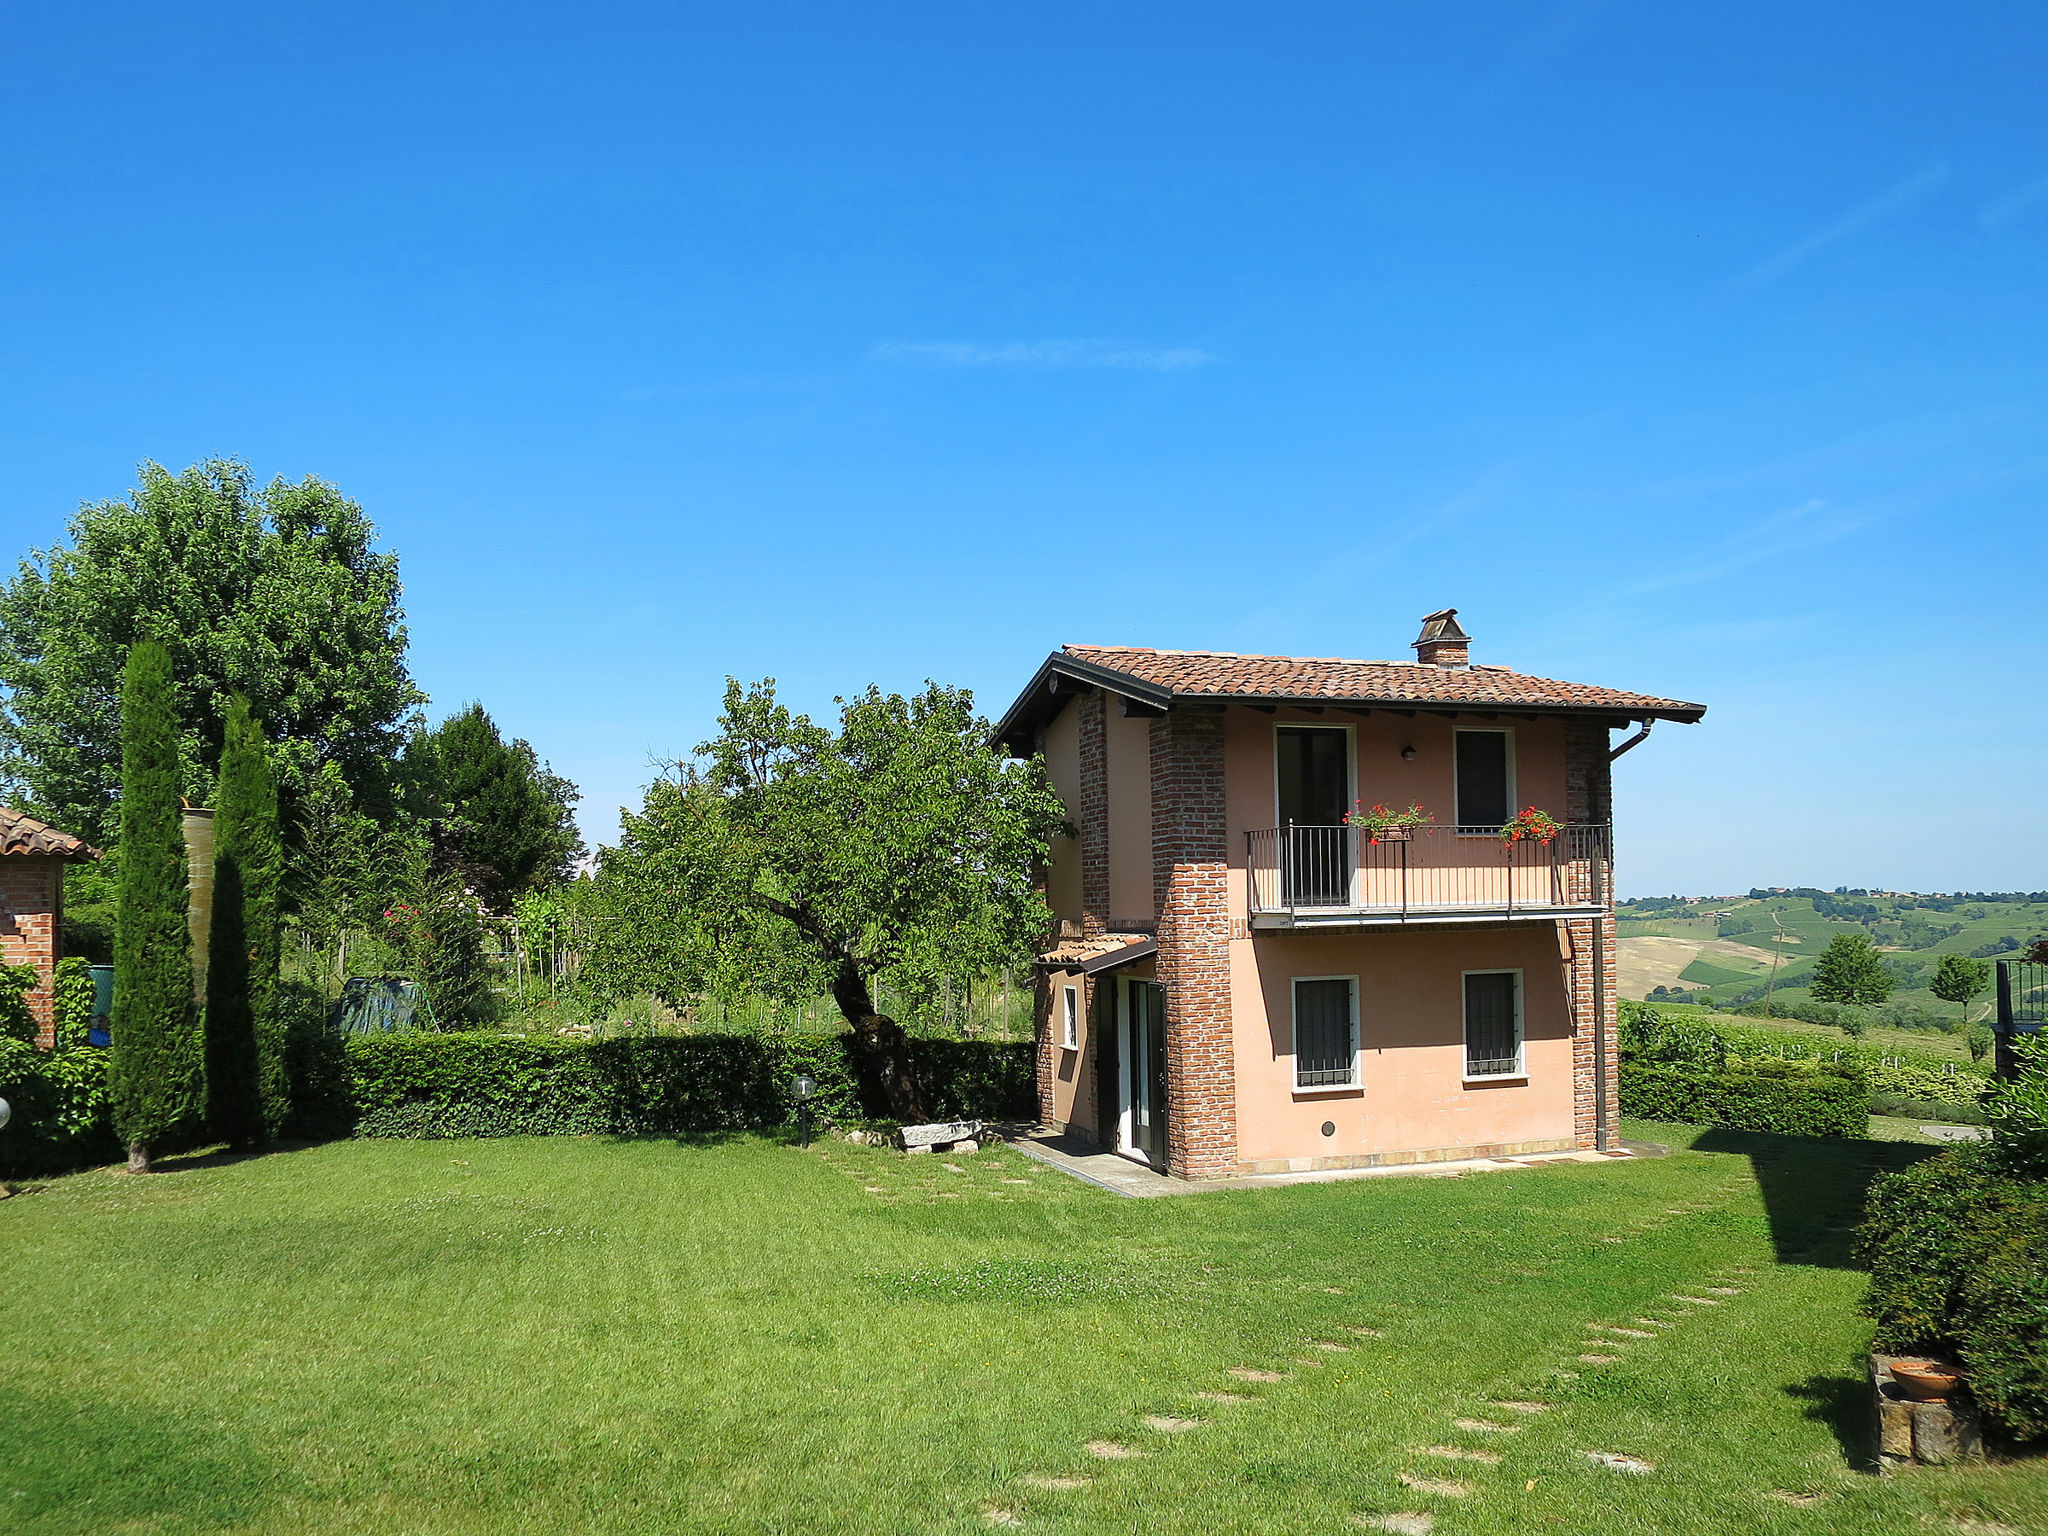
[1926, 1381]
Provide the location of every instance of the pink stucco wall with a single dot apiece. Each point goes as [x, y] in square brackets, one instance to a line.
[1412, 1093]
[1063, 768]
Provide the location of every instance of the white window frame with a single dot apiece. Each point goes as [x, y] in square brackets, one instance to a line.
[1521, 1069]
[1070, 1017]
[1313, 1090]
[1457, 811]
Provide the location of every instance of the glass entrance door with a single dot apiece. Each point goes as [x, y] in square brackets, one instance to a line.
[1144, 1072]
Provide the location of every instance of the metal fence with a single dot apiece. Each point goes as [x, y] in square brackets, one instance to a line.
[2022, 1005]
[1424, 871]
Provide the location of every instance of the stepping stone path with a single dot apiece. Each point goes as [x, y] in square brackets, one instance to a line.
[1445, 1488]
[1169, 1424]
[1337, 1349]
[1365, 1333]
[1518, 1405]
[1016, 1181]
[1627, 1333]
[1459, 1453]
[1225, 1397]
[1407, 1522]
[1723, 1290]
[1110, 1450]
[1653, 1322]
[1059, 1484]
[1697, 1301]
[1800, 1499]
[1002, 1517]
[1486, 1427]
[1620, 1463]
[1599, 1359]
[1248, 1373]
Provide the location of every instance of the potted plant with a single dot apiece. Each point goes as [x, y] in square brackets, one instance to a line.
[1384, 826]
[1530, 824]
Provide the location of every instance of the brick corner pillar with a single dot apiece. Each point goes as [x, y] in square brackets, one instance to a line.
[1091, 816]
[1589, 798]
[1190, 867]
[31, 917]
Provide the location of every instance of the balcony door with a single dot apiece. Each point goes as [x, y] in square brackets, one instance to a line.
[1313, 779]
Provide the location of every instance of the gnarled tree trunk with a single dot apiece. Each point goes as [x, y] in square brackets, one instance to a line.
[881, 1051]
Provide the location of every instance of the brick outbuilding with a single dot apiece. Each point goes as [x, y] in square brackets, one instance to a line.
[32, 859]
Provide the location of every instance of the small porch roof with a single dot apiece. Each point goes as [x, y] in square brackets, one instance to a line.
[1098, 952]
[23, 837]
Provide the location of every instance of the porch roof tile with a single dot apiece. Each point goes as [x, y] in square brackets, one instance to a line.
[22, 836]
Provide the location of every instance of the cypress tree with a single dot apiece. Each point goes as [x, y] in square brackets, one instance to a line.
[247, 1094]
[157, 1070]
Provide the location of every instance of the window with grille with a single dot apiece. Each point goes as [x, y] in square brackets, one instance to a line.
[1070, 1014]
[1326, 1032]
[1493, 1023]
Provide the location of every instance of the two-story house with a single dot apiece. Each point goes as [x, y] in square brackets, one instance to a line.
[1247, 981]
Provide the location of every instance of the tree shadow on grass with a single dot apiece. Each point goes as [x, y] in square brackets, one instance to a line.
[70, 1462]
[1813, 1186]
[1842, 1402]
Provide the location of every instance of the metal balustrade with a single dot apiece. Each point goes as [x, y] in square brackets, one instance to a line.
[1439, 872]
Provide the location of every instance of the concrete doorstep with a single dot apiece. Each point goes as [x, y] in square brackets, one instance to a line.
[1082, 1159]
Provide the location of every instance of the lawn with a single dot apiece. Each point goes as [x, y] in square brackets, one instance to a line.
[590, 1336]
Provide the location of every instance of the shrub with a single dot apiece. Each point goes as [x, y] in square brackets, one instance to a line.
[2018, 1106]
[71, 1001]
[474, 1084]
[17, 1023]
[1786, 1101]
[62, 1115]
[1958, 1252]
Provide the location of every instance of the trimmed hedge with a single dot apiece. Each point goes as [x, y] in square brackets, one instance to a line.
[473, 1084]
[1790, 1104]
[1958, 1252]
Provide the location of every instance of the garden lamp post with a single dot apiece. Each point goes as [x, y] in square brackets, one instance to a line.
[804, 1087]
[6, 1114]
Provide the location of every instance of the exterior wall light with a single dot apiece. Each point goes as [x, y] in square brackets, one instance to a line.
[1407, 754]
[6, 1113]
[804, 1088]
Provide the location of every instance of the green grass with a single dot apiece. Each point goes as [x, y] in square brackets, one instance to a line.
[590, 1336]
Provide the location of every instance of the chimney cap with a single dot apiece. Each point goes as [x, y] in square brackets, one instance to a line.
[1442, 625]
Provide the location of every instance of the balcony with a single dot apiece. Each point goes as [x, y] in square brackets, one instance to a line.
[1316, 877]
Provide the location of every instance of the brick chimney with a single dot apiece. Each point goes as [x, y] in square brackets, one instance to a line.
[1442, 643]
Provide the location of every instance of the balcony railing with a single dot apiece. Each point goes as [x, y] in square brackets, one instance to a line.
[1440, 873]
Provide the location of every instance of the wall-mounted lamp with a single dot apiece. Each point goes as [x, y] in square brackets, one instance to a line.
[1407, 754]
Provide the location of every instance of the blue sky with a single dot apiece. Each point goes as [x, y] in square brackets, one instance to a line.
[1698, 348]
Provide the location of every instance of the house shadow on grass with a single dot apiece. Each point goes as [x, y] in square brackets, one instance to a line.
[1813, 1187]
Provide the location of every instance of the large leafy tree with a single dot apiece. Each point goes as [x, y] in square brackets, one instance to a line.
[276, 593]
[158, 1070]
[247, 1095]
[1850, 970]
[506, 822]
[902, 840]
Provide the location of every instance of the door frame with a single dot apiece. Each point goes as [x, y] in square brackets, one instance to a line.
[1350, 758]
[1125, 1142]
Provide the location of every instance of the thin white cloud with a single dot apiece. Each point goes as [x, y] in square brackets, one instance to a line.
[1878, 207]
[2013, 204]
[1077, 353]
[1806, 526]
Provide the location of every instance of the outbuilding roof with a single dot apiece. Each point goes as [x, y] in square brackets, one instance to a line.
[1153, 680]
[22, 836]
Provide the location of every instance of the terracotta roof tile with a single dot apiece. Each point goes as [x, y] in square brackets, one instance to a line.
[25, 837]
[1226, 674]
[1089, 954]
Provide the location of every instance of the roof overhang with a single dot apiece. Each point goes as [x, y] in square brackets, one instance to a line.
[1135, 946]
[1062, 677]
